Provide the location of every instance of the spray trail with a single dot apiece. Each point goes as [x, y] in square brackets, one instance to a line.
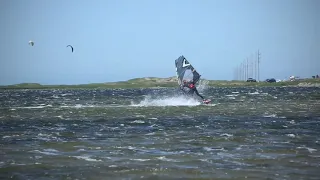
[168, 101]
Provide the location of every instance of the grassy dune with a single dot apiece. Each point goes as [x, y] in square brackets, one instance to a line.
[161, 82]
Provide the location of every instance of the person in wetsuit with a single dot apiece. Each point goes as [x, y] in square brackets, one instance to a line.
[192, 88]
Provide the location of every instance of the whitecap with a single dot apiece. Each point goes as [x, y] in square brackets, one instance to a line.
[52, 152]
[163, 158]
[141, 160]
[138, 121]
[291, 135]
[87, 158]
[213, 149]
[226, 135]
[311, 150]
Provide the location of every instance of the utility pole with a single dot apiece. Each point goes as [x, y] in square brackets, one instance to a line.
[239, 75]
[236, 73]
[241, 66]
[249, 65]
[259, 65]
[255, 66]
[239, 72]
[247, 68]
[252, 66]
[244, 70]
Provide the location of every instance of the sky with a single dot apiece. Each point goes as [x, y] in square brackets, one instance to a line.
[117, 40]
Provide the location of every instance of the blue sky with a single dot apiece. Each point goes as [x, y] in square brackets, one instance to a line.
[123, 39]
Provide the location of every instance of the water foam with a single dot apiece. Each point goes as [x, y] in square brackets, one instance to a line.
[168, 101]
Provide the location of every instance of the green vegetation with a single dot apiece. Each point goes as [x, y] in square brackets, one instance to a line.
[150, 82]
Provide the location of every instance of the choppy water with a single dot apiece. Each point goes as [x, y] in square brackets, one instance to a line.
[246, 133]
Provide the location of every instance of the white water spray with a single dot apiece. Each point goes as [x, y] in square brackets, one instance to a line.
[175, 100]
[203, 84]
[168, 101]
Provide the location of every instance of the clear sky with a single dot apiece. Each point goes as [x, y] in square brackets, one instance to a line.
[123, 39]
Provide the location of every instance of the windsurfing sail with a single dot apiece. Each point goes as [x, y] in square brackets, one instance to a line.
[31, 43]
[71, 48]
[185, 71]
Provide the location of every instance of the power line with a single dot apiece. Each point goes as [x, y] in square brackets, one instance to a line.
[249, 68]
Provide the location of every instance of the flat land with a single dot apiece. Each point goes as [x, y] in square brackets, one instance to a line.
[149, 82]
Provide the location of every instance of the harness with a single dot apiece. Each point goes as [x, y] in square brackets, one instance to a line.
[191, 86]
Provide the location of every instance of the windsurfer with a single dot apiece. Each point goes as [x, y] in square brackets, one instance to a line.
[187, 78]
[192, 88]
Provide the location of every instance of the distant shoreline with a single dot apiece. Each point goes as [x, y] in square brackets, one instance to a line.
[153, 82]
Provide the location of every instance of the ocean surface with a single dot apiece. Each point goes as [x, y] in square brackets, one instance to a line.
[245, 133]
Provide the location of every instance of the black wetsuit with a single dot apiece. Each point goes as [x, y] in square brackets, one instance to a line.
[192, 90]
